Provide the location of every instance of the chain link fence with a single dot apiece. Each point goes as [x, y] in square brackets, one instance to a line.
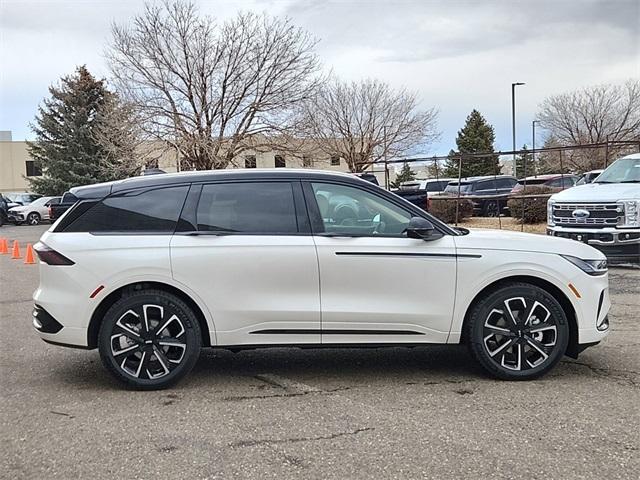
[494, 205]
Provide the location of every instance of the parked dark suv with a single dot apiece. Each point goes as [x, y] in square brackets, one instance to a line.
[494, 191]
[555, 182]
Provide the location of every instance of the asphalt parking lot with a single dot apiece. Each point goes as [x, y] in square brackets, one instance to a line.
[321, 413]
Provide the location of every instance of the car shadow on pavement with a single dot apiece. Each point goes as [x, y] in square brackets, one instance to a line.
[388, 366]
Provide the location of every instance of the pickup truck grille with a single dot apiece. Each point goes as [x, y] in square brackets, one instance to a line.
[600, 214]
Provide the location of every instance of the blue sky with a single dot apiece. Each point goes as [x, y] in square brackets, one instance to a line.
[457, 55]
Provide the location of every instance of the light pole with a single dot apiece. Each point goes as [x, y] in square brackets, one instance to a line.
[533, 141]
[513, 123]
[386, 160]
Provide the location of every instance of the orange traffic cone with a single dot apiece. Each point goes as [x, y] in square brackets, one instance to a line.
[15, 253]
[28, 258]
[4, 247]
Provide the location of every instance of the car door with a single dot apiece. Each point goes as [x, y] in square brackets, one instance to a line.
[245, 248]
[377, 285]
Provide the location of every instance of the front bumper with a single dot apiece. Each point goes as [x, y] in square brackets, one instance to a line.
[616, 244]
[15, 217]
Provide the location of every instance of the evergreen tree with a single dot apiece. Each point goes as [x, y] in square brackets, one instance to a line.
[451, 165]
[435, 169]
[405, 175]
[477, 136]
[525, 164]
[67, 148]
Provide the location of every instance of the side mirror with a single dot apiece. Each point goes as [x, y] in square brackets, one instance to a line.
[422, 229]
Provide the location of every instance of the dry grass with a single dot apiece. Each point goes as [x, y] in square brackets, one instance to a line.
[508, 223]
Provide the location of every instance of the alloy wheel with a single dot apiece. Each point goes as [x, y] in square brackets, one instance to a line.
[148, 341]
[520, 334]
[33, 219]
[491, 209]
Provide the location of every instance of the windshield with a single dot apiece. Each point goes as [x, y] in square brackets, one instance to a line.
[23, 198]
[625, 170]
[40, 201]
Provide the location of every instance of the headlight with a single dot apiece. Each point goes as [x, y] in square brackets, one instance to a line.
[550, 221]
[631, 213]
[590, 267]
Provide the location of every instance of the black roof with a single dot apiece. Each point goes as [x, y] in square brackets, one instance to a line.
[101, 190]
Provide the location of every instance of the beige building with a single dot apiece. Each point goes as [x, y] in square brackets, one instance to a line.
[16, 165]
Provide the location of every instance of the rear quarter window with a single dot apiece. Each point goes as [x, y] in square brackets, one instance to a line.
[149, 211]
[251, 207]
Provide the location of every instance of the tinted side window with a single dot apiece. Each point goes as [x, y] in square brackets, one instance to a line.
[147, 211]
[505, 183]
[252, 207]
[556, 182]
[486, 185]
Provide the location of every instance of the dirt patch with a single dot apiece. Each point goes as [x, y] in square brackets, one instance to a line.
[507, 223]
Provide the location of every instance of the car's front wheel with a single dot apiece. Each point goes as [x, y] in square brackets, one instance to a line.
[491, 209]
[149, 339]
[517, 332]
[33, 218]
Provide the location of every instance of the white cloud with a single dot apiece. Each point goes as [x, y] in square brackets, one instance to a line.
[457, 55]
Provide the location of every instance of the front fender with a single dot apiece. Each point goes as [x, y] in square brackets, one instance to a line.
[474, 275]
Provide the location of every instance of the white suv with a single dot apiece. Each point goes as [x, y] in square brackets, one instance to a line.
[150, 269]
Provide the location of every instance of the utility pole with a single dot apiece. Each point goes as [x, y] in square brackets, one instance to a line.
[513, 123]
[386, 160]
[533, 141]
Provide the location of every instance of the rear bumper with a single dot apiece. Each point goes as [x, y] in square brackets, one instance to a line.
[52, 331]
[616, 244]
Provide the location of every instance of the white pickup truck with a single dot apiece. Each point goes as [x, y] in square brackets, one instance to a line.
[605, 214]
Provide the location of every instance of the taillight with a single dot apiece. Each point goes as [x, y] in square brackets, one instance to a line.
[49, 209]
[49, 256]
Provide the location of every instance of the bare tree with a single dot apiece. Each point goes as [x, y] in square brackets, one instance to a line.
[364, 122]
[210, 90]
[597, 114]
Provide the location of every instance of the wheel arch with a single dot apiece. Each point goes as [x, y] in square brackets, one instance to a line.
[573, 347]
[111, 298]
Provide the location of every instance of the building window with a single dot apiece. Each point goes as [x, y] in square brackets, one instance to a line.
[335, 161]
[306, 161]
[280, 162]
[250, 161]
[32, 169]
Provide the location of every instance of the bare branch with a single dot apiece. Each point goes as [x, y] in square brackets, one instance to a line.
[592, 115]
[365, 122]
[207, 88]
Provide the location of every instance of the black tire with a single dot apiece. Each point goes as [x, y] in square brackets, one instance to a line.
[505, 345]
[147, 358]
[33, 218]
[491, 209]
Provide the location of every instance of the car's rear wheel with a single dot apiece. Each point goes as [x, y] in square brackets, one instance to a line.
[149, 339]
[33, 218]
[517, 332]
